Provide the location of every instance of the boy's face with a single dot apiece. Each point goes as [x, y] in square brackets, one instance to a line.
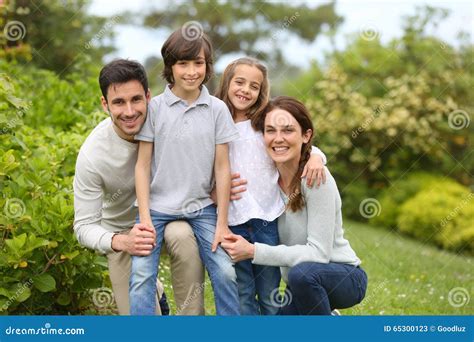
[127, 105]
[188, 76]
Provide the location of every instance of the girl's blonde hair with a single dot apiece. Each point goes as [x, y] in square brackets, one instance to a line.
[229, 72]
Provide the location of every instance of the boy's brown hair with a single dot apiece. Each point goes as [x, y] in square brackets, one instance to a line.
[179, 46]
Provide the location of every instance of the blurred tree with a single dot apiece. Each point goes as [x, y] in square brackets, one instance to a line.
[257, 28]
[54, 35]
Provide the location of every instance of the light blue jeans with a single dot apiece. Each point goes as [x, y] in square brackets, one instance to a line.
[258, 284]
[218, 264]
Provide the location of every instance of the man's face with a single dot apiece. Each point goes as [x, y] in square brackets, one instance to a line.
[127, 105]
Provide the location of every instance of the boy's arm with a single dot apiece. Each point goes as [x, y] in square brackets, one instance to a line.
[142, 181]
[222, 173]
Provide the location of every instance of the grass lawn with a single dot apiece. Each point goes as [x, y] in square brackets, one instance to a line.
[406, 276]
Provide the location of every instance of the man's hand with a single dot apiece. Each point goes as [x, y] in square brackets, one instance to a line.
[139, 241]
[221, 231]
[236, 186]
[238, 248]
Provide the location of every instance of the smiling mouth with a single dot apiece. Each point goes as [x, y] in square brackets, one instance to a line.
[131, 120]
[280, 150]
[242, 98]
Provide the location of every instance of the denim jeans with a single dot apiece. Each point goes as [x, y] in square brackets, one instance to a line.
[258, 280]
[317, 289]
[218, 264]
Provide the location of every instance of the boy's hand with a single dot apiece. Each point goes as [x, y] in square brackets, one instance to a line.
[221, 231]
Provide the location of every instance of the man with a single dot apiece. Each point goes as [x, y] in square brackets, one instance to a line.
[104, 194]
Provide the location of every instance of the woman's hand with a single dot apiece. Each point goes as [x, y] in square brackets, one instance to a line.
[314, 171]
[238, 248]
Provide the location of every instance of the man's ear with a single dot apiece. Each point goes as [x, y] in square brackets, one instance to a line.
[105, 106]
[307, 136]
[148, 95]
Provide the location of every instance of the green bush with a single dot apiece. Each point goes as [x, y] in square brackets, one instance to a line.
[42, 267]
[441, 215]
[392, 198]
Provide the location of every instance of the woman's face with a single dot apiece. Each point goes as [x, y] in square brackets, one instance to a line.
[283, 136]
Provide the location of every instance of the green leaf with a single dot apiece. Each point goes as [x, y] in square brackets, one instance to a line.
[44, 282]
[64, 299]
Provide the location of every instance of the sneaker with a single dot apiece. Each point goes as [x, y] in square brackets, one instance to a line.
[335, 312]
[165, 309]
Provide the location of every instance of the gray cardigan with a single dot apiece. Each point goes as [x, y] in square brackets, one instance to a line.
[314, 233]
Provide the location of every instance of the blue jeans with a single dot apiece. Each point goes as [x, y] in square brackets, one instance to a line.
[218, 264]
[317, 289]
[257, 280]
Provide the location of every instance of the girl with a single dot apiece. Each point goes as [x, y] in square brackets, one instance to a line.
[244, 88]
[319, 266]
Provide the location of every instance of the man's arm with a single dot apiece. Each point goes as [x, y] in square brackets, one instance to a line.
[222, 173]
[88, 199]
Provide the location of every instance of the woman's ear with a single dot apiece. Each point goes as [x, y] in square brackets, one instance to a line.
[307, 136]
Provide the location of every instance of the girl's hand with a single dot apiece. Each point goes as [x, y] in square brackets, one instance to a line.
[314, 171]
[238, 248]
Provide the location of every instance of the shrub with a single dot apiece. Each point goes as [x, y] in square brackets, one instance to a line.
[441, 215]
[392, 198]
[42, 267]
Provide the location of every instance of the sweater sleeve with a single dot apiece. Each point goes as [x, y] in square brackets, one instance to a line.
[88, 208]
[321, 219]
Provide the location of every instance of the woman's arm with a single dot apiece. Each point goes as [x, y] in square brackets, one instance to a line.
[142, 181]
[322, 206]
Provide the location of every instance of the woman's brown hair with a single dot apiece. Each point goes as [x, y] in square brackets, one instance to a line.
[302, 116]
[229, 72]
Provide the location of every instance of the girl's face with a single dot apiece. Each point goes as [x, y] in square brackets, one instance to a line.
[244, 87]
[283, 136]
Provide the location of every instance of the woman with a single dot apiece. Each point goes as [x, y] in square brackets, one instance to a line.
[320, 268]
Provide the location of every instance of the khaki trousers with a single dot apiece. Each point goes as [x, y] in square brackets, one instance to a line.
[187, 272]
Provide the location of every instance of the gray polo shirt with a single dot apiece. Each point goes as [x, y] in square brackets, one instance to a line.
[185, 138]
